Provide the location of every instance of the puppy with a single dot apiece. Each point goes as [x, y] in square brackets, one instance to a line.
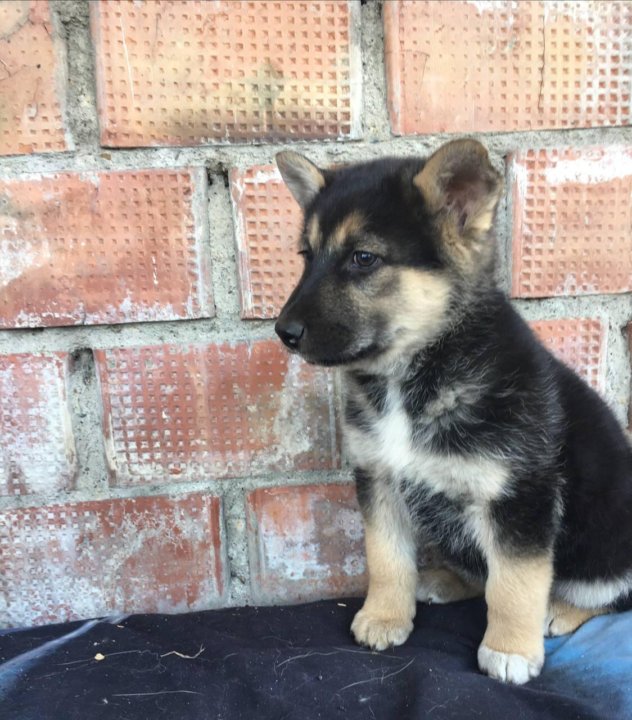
[470, 442]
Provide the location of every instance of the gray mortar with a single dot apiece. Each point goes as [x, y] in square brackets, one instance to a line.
[71, 20]
[85, 414]
[374, 111]
[237, 543]
[217, 158]
[223, 250]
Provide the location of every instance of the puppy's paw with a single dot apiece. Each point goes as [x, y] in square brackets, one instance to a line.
[440, 585]
[508, 667]
[564, 618]
[560, 625]
[380, 632]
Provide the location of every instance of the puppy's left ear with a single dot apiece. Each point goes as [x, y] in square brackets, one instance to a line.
[302, 177]
[460, 181]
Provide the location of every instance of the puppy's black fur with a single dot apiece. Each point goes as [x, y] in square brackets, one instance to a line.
[467, 435]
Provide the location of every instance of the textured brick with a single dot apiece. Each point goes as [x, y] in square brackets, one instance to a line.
[481, 66]
[32, 80]
[267, 221]
[571, 225]
[37, 451]
[174, 73]
[214, 411]
[87, 559]
[111, 247]
[580, 343]
[306, 543]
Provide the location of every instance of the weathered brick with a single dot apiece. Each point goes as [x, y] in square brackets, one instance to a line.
[37, 450]
[267, 226]
[87, 559]
[214, 411]
[33, 80]
[571, 221]
[305, 543]
[481, 66]
[175, 73]
[578, 342]
[108, 247]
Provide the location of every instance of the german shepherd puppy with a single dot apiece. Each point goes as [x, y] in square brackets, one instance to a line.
[471, 443]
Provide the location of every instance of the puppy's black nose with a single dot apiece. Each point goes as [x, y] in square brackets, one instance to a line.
[290, 332]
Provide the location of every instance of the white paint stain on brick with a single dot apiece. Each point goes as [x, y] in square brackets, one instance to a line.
[520, 175]
[18, 257]
[37, 451]
[597, 166]
[264, 175]
[315, 551]
[75, 562]
[292, 436]
[295, 558]
[127, 311]
[483, 6]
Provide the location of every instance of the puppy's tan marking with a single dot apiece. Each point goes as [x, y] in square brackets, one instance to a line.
[517, 594]
[314, 237]
[352, 224]
[386, 619]
[565, 618]
[417, 311]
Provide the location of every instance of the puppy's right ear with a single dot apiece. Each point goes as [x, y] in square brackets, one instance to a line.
[302, 177]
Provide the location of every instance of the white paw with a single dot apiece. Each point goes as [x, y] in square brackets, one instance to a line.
[508, 667]
[379, 633]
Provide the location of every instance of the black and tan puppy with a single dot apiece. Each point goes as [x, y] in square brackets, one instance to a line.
[471, 442]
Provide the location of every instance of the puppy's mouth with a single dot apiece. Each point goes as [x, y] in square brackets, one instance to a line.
[341, 358]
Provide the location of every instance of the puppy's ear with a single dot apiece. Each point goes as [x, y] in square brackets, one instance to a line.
[302, 177]
[460, 182]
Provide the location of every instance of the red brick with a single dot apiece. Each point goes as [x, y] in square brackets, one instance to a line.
[306, 543]
[214, 411]
[33, 80]
[571, 221]
[37, 450]
[87, 559]
[267, 222]
[110, 247]
[481, 66]
[580, 343]
[175, 73]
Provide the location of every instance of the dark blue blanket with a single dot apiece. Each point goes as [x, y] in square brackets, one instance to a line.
[300, 662]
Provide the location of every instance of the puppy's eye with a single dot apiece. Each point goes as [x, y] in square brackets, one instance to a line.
[364, 259]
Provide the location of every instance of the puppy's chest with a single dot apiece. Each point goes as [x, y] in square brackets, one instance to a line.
[386, 440]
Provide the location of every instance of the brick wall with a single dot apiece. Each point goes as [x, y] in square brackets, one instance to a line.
[159, 451]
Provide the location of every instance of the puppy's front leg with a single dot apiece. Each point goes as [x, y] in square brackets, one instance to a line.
[517, 595]
[386, 619]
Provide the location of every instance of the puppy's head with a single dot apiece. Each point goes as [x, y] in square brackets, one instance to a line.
[389, 247]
